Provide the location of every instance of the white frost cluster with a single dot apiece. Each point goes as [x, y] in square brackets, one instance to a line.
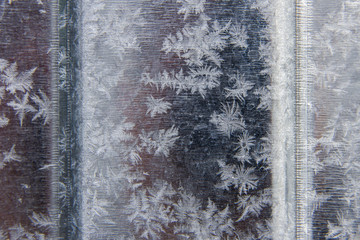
[121, 151]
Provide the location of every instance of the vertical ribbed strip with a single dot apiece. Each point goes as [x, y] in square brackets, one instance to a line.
[54, 46]
[283, 117]
[303, 18]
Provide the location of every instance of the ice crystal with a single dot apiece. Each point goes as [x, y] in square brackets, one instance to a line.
[44, 106]
[191, 6]
[15, 81]
[240, 87]
[120, 30]
[157, 106]
[199, 80]
[345, 230]
[22, 107]
[239, 36]
[252, 205]
[4, 121]
[199, 42]
[42, 221]
[159, 142]
[229, 120]
[9, 156]
[246, 141]
[152, 211]
[193, 223]
[265, 98]
[241, 178]
[3, 64]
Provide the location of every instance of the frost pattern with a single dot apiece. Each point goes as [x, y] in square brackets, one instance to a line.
[25, 109]
[126, 156]
[334, 145]
[191, 6]
[159, 142]
[16, 94]
[229, 120]
[199, 42]
[4, 121]
[15, 81]
[44, 107]
[234, 176]
[240, 88]
[21, 107]
[18, 86]
[157, 106]
[239, 36]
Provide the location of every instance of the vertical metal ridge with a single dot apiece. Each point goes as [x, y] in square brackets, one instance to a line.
[283, 88]
[303, 179]
[54, 46]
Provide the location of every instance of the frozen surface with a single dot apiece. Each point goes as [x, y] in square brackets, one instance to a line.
[176, 108]
[175, 119]
[25, 121]
[334, 120]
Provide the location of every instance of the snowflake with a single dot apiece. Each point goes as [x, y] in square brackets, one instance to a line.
[157, 106]
[2, 93]
[199, 80]
[4, 121]
[151, 210]
[229, 121]
[239, 36]
[202, 79]
[3, 235]
[11, 156]
[240, 87]
[18, 232]
[15, 81]
[241, 178]
[122, 132]
[186, 207]
[161, 141]
[245, 141]
[195, 223]
[22, 107]
[191, 6]
[265, 98]
[3, 64]
[253, 205]
[62, 78]
[265, 50]
[243, 156]
[265, 230]
[198, 43]
[44, 106]
[118, 30]
[345, 229]
[96, 206]
[62, 141]
[246, 179]
[42, 221]
[249, 204]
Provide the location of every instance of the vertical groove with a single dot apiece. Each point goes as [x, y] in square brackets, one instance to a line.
[68, 121]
